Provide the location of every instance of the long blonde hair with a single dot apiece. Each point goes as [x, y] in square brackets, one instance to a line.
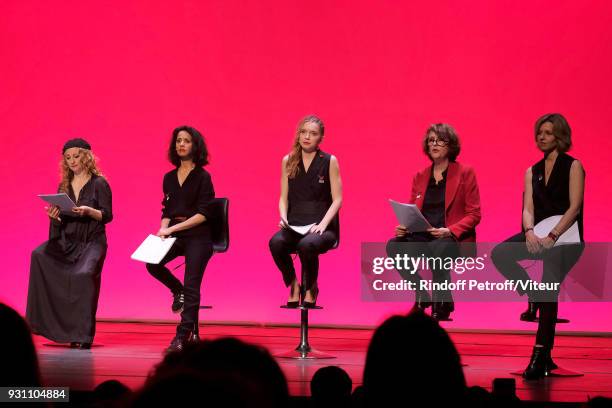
[296, 151]
[88, 160]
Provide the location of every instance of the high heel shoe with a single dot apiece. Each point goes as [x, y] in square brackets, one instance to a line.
[540, 364]
[294, 304]
[315, 293]
[530, 315]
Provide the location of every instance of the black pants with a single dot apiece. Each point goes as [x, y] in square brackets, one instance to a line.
[558, 261]
[308, 247]
[197, 252]
[425, 244]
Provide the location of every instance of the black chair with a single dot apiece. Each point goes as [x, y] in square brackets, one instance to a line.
[219, 224]
[219, 227]
[303, 351]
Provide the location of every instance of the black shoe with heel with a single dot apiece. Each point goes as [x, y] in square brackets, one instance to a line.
[293, 304]
[315, 293]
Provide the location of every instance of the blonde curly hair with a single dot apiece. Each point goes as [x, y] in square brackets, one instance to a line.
[88, 160]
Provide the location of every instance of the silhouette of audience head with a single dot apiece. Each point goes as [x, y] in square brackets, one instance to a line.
[111, 394]
[412, 359]
[225, 370]
[478, 397]
[331, 387]
[18, 355]
[599, 402]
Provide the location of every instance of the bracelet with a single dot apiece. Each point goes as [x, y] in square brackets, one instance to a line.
[553, 236]
[528, 229]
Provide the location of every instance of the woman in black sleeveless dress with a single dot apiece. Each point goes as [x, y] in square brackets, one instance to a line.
[553, 186]
[311, 193]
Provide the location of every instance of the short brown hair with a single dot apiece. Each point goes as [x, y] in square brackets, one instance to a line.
[561, 130]
[446, 133]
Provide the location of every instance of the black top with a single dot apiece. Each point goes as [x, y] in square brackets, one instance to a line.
[553, 198]
[68, 238]
[193, 197]
[309, 194]
[433, 203]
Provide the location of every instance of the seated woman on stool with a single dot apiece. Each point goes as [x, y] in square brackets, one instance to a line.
[65, 271]
[188, 191]
[447, 194]
[553, 186]
[311, 193]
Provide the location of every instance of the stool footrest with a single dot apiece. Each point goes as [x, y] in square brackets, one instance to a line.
[297, 354]
[301, 307]
[557, 372]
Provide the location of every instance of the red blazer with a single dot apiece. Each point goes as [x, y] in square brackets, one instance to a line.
[461, 199]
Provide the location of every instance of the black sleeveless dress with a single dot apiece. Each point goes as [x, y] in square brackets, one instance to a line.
[553, 198]
[309, 194]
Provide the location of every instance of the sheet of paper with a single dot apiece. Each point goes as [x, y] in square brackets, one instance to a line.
[410, 216]
[153, 249]
[571, 236]
[61, 200]
[301, 229]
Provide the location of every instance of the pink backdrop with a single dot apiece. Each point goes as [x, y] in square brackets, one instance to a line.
[123, 74]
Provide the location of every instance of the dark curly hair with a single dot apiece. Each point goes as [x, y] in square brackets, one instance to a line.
[446, 133]
[199, 151]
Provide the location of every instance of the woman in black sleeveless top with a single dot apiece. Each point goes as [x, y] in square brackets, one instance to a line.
[311, 193]
[553, 186]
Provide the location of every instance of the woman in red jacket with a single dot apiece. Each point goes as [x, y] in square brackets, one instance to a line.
[447, 195]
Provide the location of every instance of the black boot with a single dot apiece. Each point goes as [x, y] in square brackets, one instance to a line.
[539, 365]
[441, 311]
[550, 364]
[530, 315]
[422, 300]
[182, 339]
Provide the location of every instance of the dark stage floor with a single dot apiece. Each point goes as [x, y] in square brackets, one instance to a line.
[127, 351]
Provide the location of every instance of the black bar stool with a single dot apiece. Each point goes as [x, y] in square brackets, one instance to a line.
[304, 351]
[219, 228]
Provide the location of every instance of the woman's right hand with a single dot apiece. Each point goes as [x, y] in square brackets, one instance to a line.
[163, 232]
[532, 242]
[53, 212]
[283, 223]
[401, 230]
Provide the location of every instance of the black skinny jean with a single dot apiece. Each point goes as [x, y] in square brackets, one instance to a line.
[558, 261]
[197, 251]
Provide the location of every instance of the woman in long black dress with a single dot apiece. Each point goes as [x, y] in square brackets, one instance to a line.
[554, 186]
[311, 193]
[188, 191]
[65, 271]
